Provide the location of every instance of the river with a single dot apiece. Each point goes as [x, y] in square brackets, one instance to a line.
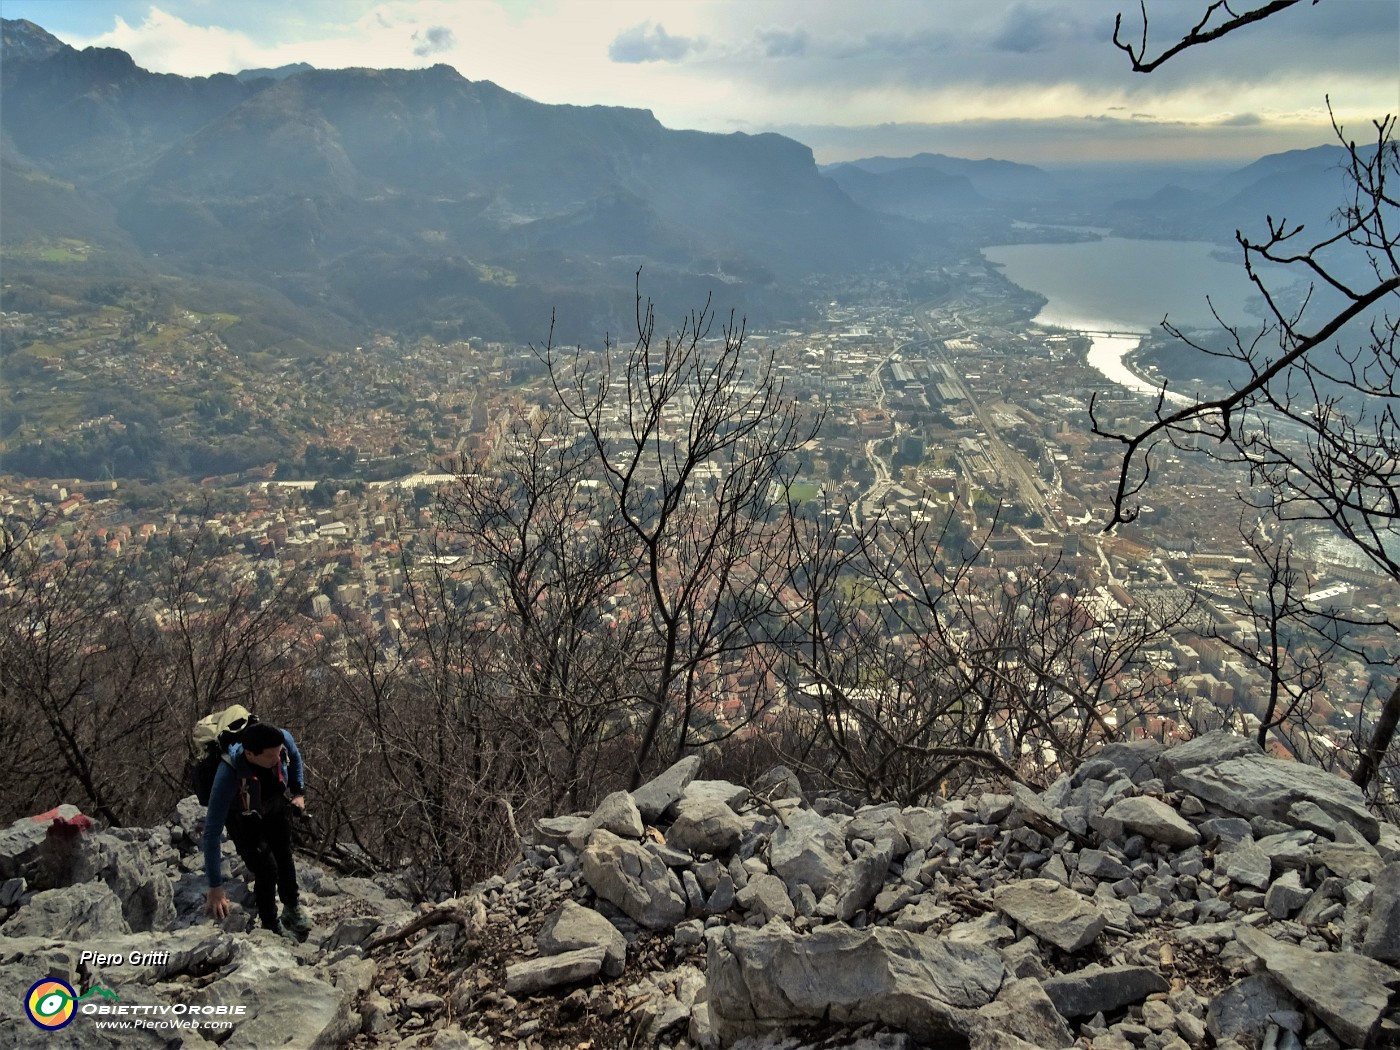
[1115, 290]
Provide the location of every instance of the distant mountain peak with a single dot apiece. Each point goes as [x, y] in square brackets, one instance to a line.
[21, 40]
[992, 179]
[280, 73]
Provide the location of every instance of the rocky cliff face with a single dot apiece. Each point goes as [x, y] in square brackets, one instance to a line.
[1204, 896]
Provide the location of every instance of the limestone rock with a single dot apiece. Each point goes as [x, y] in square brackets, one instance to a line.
[917, 918]
[1313, 817]
[145, 892]
[11, 890]
[879, 824]
[1036, 812]
[1209, 749]
[768, 895]
[573, 927]
[767, 979]
[1135, 759]
[1383, 932]
[1095, 988]
[1348, 991]
[1244, 1008]
[286, 1007]
[923, 827]
[535, 975]
[617, 814]
[656, 796]
[22, 843]
[1155, 819]
[1349, 861]
[635, 879]
[1256, 785]
[808, 851]
[722, 791]
[555, 830]
[856, 884]
[87, 912]
[1246, 864]
[1100, 865]
[1285, 896]
[778, 782]
[1022, 1009]
[453, 1038]
[1051, 912]
[705, 825]
[993, 808]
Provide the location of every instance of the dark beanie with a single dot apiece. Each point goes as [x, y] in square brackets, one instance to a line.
[260, 736]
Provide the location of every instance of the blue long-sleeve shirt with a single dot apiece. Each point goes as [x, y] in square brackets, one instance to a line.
[223, 796]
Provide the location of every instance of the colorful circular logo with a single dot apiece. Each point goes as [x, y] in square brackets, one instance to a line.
[49, 1003]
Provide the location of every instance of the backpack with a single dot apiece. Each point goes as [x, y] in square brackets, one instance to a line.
[211, 737]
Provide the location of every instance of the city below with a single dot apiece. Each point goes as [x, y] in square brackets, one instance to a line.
[938, 395]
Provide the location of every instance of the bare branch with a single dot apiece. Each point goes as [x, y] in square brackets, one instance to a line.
[1201, 33]
[1225, 406]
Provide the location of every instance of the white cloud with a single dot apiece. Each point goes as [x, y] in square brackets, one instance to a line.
[433, 40]
[727, 64]
[651, 43]
[166, 44]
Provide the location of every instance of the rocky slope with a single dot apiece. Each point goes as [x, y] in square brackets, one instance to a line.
[1204, 896]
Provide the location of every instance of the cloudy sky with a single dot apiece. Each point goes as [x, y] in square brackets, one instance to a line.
[1031, 80]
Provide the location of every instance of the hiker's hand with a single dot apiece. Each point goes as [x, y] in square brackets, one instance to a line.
[216, 902]
[300, 802]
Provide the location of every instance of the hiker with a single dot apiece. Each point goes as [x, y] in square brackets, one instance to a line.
[252, 793]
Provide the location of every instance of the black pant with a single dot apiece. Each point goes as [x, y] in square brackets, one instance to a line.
[265, 844]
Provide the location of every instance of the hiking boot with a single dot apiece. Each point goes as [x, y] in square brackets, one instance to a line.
[285, 932]
[296, 919]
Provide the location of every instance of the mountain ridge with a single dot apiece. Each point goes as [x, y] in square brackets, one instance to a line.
[305, 176]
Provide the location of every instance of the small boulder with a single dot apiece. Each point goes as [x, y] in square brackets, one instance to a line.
[617, 814]
[656, 796]
[1383, 933]
[1243, 1010]
[87, 912]
[1349, 992]
[1052, 912]
[705, 826]
[535, 975]
[807, 851]
[767, 895]
[1022, 1009]
[573, 927]
[1155, 819]
[635, 879]
[1096, 989]
[771, 979]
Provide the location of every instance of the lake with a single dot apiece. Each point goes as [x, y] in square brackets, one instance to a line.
[1122, 285]
[1116, 290]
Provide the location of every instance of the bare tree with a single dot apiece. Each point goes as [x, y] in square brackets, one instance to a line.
[1314, 420]
[691, 437]
[52, 646]
[1282, 638]
[447, 754]
[540, 544]
[919, 662]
